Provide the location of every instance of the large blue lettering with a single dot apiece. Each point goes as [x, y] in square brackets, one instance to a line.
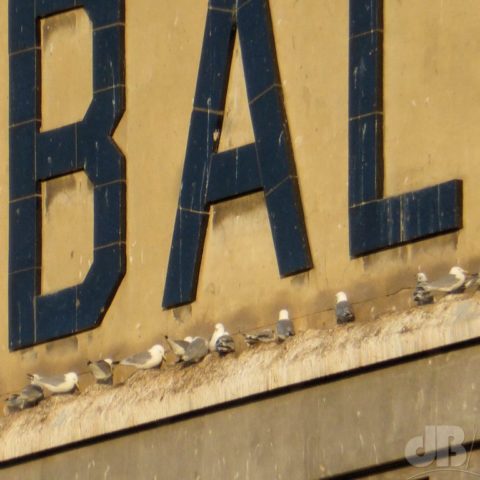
[376, 222]
[37, 156]
[267, 164]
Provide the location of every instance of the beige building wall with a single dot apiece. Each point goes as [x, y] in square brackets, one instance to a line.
[432, 98]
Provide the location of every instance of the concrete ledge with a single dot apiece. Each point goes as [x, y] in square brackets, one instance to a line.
[155, 395]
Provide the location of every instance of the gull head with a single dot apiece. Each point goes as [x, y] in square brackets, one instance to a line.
[71, 377]
[283, 315]
[219, 328]
[459, 272]
[341, 297]
[157, 350]
[421, 277]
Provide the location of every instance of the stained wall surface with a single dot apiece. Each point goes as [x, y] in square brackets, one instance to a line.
[431, 94]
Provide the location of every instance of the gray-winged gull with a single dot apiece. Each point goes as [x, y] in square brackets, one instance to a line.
[102, 370]
[144, 360]
[422, 296]
[221, 341]
[343, 310]
[65, 383]
[217, 333]
[29, 397]
[454, 282]
[196, 350]
[264, 336]
[284, 326]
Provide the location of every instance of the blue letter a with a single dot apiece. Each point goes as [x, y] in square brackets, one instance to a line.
[267, 164]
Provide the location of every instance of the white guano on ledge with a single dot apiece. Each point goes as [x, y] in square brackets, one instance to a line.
[156, 395]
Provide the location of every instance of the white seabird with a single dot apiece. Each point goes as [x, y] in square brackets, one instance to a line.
[65, 383]
[284, 326]
[264, 336]
[217, 333]
[343, 310]
[196, 350]
[421, 296]
[144, 360]
[102, 370]
[454, 282]
[221, 341]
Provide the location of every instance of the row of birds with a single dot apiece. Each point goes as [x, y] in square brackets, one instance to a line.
[192, 350]
[188, 351]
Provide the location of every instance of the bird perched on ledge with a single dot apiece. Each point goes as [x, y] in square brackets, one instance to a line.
[264, 336]
[454, 282]
[221, 341]
[217, 333]
[422, 296]
[285, 327]
[195, 351]
[343, 310]
[179, 346]
[29, 397]
[66, 383]
[102, 371]
[145, 360]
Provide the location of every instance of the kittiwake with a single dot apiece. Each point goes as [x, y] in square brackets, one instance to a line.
[65, 383]
[264, 336]
[102, 371]
[284, 326]
[196, 350]
[29, 397]
[422, 296]
[144, 360]
[343, 310]
[454, 282]
[217, 333]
